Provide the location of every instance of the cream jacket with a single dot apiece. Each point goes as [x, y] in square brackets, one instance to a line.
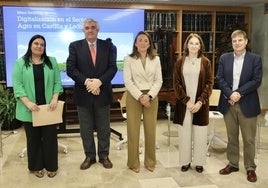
[137, 79]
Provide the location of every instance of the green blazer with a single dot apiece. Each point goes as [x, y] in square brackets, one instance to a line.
[23, 85]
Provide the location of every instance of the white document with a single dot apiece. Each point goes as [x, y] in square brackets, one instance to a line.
[44, 116]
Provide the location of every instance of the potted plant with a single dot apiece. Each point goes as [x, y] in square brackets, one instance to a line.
[7, 107]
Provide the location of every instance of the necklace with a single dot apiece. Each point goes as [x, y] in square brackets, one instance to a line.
[193, 60]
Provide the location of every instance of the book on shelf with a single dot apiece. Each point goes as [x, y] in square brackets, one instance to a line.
[155, 20]
[1, 42]
[2, 67]
[192, 22]
[208, 41]
[196, 22]
[223, 20]
[185, 22]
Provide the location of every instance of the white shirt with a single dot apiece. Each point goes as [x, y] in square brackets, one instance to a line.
[237, 68]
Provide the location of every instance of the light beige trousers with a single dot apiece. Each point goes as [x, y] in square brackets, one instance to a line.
[192, 142]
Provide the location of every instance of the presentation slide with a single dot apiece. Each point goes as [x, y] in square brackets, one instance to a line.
[60, 26]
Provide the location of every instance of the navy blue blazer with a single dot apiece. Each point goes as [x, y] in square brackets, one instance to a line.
[250, 80]
[80, 67]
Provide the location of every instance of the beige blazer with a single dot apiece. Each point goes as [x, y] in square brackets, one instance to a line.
[136, 78]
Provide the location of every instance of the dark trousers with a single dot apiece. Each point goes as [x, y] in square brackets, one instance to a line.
[96, 118]
[42, 147]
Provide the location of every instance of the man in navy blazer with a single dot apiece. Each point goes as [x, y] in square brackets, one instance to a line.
[239, 76]
[92, 70]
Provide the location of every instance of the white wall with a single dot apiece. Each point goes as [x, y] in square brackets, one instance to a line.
[259, 43]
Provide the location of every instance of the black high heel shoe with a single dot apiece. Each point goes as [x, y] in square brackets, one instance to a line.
[185, 168]
[199, 169]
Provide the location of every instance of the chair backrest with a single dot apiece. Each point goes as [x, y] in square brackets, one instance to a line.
[214, 97]
[122, 103]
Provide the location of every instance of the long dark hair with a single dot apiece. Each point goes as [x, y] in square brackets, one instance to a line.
[150, 51]
[27, 56]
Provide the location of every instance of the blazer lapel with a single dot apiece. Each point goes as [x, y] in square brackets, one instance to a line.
[140, 69]
[246, 69]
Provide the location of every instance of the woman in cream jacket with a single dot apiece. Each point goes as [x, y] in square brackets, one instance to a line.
[143, 80]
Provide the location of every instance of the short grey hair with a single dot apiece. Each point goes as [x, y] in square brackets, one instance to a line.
[89, 20]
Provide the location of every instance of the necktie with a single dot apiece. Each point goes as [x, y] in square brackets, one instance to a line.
[93, 53]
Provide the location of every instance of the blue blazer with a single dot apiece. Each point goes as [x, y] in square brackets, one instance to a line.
[80, 67]
[250, 80]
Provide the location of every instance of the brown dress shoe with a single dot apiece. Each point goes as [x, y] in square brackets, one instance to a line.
[106, 162]
[228, 170]
[251, 176]
[87, 163]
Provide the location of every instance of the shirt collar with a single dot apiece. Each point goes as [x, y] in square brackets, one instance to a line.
[241, 56]
[94, 43]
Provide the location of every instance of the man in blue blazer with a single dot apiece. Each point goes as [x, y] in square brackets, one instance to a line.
[239, 76]
[92, 65]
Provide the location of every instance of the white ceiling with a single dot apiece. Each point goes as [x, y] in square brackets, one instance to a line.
[184, 2]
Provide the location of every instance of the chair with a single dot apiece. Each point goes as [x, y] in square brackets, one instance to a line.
[214, 115]
[65, 150]
[122, 103]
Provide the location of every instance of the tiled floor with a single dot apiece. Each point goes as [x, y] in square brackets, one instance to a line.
[14, 172]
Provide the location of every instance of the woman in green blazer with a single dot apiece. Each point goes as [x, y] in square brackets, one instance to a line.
[36, 81]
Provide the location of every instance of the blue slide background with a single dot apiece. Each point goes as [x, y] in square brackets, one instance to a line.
[60, 26]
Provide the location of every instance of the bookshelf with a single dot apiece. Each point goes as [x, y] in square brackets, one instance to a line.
[207, 21]
[223, 19]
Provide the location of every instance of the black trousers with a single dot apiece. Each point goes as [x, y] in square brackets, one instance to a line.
[42, 147]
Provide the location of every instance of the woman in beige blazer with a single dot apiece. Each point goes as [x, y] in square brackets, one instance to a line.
[143, 80]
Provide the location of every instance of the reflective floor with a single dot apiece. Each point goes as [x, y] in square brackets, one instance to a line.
[14, 172]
